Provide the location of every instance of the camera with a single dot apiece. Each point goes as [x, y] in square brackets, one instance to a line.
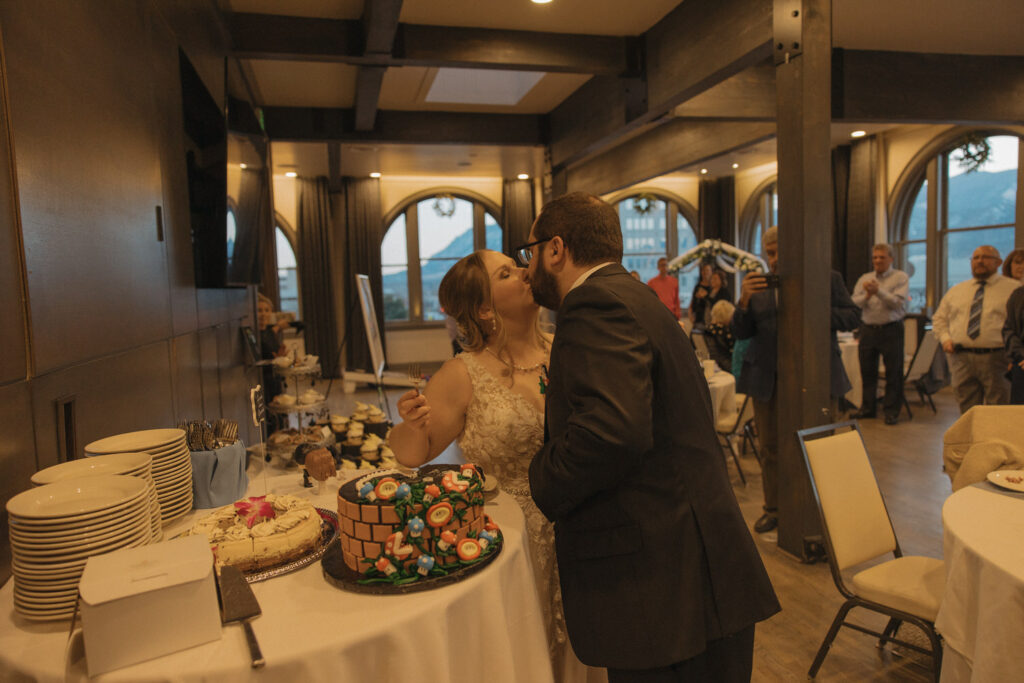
[771, 280]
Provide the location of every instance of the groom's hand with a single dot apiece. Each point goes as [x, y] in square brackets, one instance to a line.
[414, 410]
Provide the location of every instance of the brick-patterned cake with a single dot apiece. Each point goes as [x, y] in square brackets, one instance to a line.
[399, 529]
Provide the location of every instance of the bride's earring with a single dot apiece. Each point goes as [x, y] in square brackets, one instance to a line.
[494, 325]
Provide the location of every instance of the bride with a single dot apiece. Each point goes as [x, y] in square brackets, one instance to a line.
[490, 400]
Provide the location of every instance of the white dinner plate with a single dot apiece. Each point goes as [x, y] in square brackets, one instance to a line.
[30, 542]
[139, 536]
[172, 449]
[184, 471]
[184, 501]
[119, 463]
[1008, 479]
[135, 442]
[165, 459]
[74, 499]
[92, 519]
[103, 525]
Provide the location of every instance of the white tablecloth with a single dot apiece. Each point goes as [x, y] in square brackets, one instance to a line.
[486, 627]
[723, 393]
[982, 613]
[849, 350]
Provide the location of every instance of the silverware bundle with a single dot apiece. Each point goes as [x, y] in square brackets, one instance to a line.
[202, 436]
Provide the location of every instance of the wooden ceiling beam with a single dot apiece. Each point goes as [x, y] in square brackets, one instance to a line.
[664, 149]
[409, 127]
[747, 96]
[265, 36]
[380, 23]
[696, 46]
[913, 87]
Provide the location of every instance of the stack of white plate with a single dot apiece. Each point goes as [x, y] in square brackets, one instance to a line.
[54, 528]
[132, 464]
[172, 465]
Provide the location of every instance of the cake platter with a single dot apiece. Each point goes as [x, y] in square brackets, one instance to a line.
[338, 574]
[328, 533]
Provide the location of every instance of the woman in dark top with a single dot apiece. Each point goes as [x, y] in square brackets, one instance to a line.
[718, 334]
[700, 294]
[1013, 339]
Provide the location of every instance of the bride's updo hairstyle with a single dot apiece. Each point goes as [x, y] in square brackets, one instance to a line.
[466, 287]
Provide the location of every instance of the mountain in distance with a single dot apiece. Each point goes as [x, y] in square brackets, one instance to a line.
[979, 198]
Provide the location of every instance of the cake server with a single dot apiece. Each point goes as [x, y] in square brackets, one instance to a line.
[238, 603]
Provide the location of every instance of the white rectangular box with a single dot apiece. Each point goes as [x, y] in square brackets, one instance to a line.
[147, 602]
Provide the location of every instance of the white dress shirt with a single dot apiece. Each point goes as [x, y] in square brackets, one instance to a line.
[583, 278]
[951, 318]
[889, 303]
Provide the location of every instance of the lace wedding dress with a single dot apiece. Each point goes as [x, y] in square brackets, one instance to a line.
[503, 431]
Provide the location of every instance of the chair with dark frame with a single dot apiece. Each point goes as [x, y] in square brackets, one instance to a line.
[857, 528]
[738, 424]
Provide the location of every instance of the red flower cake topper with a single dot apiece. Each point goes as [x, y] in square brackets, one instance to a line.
[255, 510]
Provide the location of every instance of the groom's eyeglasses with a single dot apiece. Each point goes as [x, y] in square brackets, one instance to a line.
[524, 253]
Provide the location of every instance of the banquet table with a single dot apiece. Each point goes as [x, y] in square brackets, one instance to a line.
[488, 626]
[981, 617]
[723, 393]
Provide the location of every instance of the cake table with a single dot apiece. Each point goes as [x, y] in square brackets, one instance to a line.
[487, 627]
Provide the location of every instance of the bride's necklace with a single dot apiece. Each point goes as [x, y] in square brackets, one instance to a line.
[518, 368]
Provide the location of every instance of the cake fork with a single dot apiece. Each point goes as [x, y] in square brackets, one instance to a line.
[416, 376]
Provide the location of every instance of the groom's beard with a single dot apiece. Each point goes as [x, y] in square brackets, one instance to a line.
[544, 287]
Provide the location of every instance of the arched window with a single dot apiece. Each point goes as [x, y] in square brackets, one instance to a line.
[287, 271]
[973, 202]
[760, 213]
[655, 224]
[423, 239]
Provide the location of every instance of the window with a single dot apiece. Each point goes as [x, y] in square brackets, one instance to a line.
[972, 206]
[653, 226]
[761, 213]
[287, 273]
[426, 237]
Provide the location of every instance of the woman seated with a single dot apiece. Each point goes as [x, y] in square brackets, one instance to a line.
[718, 334]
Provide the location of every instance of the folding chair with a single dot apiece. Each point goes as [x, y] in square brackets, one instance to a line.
[857, 528]
[920, 365]
[731, 425]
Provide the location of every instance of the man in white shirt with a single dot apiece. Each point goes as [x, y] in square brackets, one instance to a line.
[882, 298]
[969, 323]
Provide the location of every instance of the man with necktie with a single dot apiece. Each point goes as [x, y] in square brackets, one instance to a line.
[969, 323]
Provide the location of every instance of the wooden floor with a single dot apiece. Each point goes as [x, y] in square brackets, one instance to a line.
[907, 459]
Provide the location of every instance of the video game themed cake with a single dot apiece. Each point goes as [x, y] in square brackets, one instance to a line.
[398, 530]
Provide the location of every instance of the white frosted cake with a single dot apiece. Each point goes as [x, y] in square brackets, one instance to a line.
[255, 533]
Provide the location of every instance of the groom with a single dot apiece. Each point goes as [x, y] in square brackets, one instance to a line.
[660, 577]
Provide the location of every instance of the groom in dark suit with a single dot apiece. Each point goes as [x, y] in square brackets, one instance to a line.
[660, 577]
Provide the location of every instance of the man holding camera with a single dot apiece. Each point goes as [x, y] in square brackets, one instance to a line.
[756, 318]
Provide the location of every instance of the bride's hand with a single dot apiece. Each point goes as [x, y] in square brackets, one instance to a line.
[414, 410]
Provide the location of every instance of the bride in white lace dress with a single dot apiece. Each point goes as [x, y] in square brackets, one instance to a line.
[490, 399]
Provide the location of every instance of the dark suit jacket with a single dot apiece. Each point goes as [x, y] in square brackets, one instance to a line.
[653, 554]
[759, 323]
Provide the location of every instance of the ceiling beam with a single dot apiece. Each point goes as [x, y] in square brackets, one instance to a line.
[747, 96]
[664, 149]
[380, 22]
[409, 127]
[696, 46]
[912, 87]
[266, 36]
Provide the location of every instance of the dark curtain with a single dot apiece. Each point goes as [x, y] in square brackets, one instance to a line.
[362, 237]
[314, 262]
[254, 228]
[853, 191]
[717, 213]
[517, 212]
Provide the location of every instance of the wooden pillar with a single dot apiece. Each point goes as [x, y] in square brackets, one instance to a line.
[803, 49]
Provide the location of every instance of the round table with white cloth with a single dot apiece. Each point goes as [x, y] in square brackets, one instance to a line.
[849, 351]
[981, 617]
[723, 393]
[486, 627]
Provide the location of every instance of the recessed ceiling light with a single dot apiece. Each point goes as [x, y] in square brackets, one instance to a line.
[703, 171]
[858, 133]
[523, 176]
[243, 166]
[292, 174]
[541, 2]
[375, 174]
[735, 165]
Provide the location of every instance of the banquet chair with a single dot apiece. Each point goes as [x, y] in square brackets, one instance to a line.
[857, 529]
[732, 425]
[920, 365]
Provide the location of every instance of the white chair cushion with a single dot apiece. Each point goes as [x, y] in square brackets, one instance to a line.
[912, 584]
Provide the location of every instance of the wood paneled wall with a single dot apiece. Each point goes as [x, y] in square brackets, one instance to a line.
[97, 144]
